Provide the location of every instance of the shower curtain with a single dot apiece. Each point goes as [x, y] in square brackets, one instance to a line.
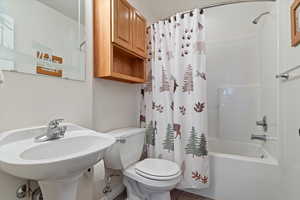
[173, 109]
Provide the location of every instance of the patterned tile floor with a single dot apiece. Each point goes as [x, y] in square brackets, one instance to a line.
[175, 195]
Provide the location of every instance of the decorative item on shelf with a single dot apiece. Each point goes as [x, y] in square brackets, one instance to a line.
[45, 64]
[295, 23]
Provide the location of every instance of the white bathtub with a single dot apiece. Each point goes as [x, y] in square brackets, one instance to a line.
[242, 151]
[241, 171]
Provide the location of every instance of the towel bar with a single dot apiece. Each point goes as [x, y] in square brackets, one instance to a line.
[286, 75]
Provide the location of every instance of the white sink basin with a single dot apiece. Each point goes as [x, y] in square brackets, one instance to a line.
[56, 164]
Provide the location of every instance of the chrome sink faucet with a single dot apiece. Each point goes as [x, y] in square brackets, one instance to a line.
[54, 131]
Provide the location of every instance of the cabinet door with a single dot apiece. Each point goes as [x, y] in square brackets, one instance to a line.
[122, 29]
[139, 34]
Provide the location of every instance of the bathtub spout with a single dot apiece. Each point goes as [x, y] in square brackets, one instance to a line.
[259, 137]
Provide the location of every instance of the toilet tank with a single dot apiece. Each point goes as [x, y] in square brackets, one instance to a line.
[127, 150]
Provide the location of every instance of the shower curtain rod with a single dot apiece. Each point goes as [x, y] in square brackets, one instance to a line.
[220, 4]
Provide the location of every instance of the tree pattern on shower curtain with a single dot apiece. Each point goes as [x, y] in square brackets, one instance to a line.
[192, 147]
[174, 97]
[188, 85]
[168, 143]
[150, 134]
[165, 87]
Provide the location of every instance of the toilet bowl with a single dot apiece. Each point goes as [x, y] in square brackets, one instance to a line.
[149, 179]
[146, 183]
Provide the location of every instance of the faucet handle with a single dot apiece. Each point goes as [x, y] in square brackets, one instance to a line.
[63, 130]
[55, 123]
[259, 137]
[263, 123]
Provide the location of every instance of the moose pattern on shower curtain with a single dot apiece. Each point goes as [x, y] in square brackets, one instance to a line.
[174, 102]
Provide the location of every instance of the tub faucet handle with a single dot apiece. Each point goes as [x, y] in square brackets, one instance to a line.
[259, 137]
[263, 123]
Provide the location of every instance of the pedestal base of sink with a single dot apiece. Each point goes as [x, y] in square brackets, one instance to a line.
[62, 189]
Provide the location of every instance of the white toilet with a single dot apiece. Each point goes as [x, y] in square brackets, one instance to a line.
[150, 179]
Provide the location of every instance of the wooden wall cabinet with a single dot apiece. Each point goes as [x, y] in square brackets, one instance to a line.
[139, 34]
[119, 41]
[122, 24]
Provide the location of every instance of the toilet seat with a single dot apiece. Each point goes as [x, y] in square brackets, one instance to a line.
[157, 178]
[158, 169]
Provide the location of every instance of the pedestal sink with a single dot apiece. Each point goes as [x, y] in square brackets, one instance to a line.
[58, 164]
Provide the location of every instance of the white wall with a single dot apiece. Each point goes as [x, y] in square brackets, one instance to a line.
[289, 106]
[115, 105]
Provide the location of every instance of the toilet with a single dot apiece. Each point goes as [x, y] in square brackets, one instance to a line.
[149, 179]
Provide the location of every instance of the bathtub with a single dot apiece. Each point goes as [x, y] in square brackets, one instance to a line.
[241, 171]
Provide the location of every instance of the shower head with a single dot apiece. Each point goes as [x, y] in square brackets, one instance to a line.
[256, 20]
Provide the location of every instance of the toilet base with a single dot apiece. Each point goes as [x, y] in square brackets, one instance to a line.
[135, 191]
[161, 196]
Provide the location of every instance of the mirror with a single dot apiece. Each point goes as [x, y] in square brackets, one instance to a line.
[43, 37]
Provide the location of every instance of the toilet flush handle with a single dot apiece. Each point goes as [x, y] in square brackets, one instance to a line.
[121, 140]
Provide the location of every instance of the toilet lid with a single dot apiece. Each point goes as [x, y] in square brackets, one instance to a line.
[157, 169]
